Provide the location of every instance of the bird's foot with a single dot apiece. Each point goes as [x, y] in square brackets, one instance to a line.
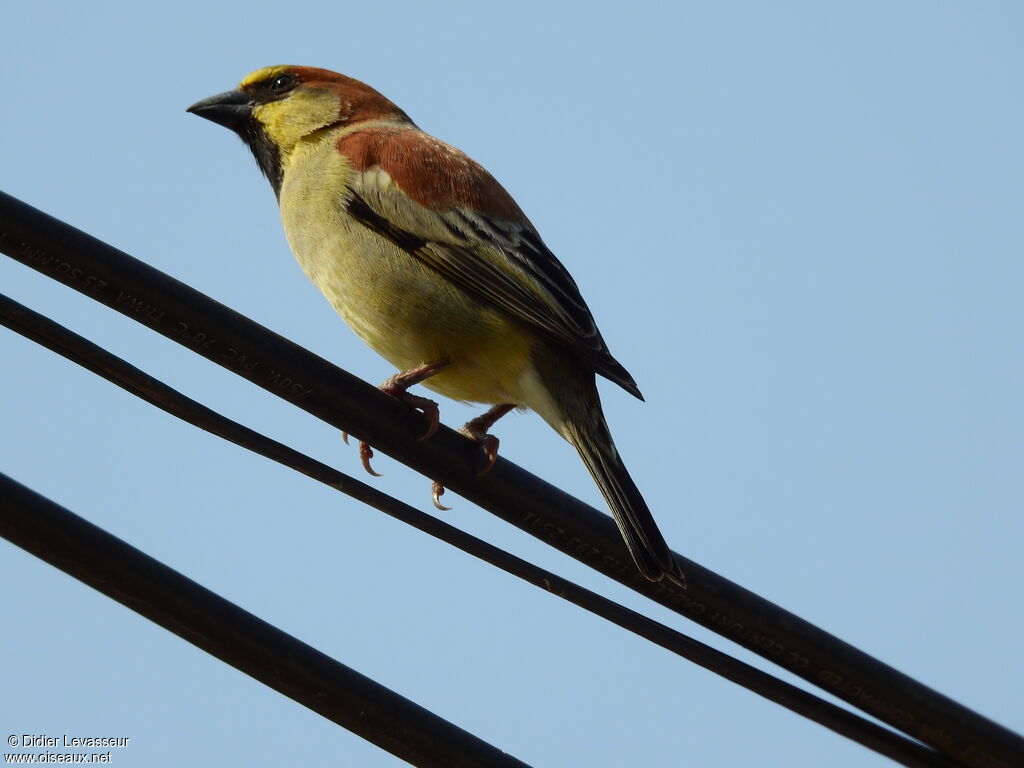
[476, 430]
[397, 386]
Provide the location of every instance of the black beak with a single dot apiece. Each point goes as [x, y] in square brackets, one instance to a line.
[232, 109]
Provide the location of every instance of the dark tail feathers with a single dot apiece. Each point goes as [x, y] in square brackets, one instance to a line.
[591, 437]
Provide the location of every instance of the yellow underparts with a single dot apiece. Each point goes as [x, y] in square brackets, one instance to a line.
[403, 309]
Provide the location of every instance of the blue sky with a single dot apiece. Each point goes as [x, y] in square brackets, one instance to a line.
[798, 226]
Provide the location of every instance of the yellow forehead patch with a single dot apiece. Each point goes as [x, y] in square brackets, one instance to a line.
[264, 74]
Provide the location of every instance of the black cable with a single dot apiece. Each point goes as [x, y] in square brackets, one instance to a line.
[237, 637]
[96, 359]
[313, 384]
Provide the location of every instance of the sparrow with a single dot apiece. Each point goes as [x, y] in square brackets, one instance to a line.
[434, 265]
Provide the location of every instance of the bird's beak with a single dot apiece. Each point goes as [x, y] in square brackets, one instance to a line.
[232, 109]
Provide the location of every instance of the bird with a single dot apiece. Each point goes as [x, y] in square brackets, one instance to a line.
[434, 265]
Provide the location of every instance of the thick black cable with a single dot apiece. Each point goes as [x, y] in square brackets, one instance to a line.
[236, 636]
[70, 345]
[313, 384]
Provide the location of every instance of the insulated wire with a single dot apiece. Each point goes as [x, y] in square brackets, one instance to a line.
[70, 345]
[306, 380]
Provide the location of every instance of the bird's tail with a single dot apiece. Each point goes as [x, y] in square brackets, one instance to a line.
[588, 432]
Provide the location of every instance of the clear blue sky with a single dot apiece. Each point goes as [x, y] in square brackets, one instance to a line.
[799, 226]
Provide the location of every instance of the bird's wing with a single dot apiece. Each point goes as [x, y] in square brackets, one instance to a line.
[441, 217]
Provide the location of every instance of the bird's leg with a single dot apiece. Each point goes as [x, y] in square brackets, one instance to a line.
[476, 430]
[397, 386]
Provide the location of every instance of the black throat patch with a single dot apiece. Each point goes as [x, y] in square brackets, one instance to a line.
[267, 155]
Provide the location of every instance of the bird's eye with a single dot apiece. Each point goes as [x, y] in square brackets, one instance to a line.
[282, 83]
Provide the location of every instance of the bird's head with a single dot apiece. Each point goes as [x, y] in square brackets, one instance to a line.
[275, 108]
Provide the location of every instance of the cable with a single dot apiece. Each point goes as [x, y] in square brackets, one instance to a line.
[313, 384]
[237, 637]
[92, 357]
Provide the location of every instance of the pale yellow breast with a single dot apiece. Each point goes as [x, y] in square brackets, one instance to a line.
[402, 308]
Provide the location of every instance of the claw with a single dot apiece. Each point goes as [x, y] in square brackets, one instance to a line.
[476, 430]
[365, 454]
[397, 386]
[430, 411]
[436, 491]
[490, 445]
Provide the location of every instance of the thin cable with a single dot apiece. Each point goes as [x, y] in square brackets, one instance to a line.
[79, 350]
[518, 497]
[236, 636]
